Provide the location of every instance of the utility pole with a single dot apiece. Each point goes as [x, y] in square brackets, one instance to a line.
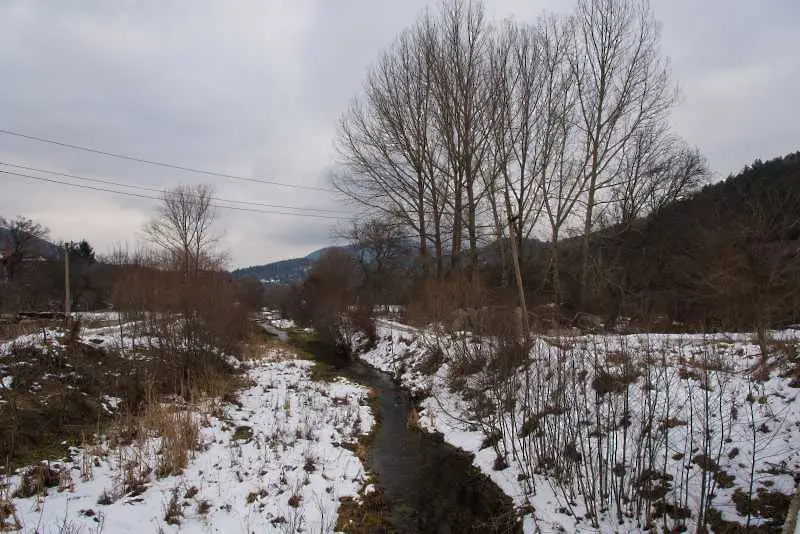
[67, 298]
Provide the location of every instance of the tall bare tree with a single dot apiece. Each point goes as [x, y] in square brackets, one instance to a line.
[458, 55]
[380, 246]
[413, 145]
[182, 229]
[623, 84]
[383, 142]
[562, 183]
[516, 87]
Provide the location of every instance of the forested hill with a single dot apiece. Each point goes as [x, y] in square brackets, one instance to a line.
[769, 185]
[284, 272]
[729, 255]
[279, 272]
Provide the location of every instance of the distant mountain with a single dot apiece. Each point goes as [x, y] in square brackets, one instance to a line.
[285, 272]
[278, 273]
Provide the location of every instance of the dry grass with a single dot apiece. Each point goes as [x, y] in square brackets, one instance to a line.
[180, 437]
[259, 343]
[9, 522]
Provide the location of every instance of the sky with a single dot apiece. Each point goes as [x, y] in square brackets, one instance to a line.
[254, 88]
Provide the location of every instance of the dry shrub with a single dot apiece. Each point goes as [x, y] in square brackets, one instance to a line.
[364, 322]
[9, 522]
[608, 381]
[778, 354]
[258, 344]
[439, 299]
[511, 353]
[190, 322]
[173, 513]
[203, 507]
[369, 514]
[467, 364]
[54, 399]
[180, 436]
[179, 431]
[35, 481]
[433, 359]
[771, 506]
[24, 327]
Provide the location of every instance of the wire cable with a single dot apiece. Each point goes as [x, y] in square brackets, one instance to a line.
[162, 191]
[161, 163]
[139, 195]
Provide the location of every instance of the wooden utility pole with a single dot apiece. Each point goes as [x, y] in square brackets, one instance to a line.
[67, 297]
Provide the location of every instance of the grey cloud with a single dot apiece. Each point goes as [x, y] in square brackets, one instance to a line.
[255, 88]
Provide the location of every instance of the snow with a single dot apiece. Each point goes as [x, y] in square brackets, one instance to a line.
[46, 338]
[283, 324]
[105, 316]
[111, 404]
[758, 420]
[285, 443]
[274, 318]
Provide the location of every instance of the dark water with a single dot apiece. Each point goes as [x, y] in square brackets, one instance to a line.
[432, 487]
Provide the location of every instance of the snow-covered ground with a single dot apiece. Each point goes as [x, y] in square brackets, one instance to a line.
[690, 408]
[97, 316]
[273, 463]
[275, 318]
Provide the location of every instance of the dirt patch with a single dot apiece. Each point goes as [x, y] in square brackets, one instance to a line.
[372, 515]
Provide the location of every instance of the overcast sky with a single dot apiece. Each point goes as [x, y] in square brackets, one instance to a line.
[255, 87]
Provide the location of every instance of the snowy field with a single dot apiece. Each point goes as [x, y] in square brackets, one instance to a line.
[615, 433]
[275, 461]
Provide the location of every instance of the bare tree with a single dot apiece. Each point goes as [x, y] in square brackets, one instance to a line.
[182, 229]
[517, 139]
[413, 146]
[656, 168]
[562, 183]
[380, 246]
[623, 84]
[383, 142]
[331, 288]
[23, 242]
[458, 54]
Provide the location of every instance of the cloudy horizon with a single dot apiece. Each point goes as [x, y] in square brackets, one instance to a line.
[254, 89]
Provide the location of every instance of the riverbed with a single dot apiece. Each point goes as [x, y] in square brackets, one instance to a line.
[432, 486]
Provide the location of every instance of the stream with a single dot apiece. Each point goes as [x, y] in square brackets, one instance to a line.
[432, 486]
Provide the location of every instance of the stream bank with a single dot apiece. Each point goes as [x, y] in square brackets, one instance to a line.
[426, 485]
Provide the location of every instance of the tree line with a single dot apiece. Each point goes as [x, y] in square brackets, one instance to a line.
[469, 132]
[32, 269]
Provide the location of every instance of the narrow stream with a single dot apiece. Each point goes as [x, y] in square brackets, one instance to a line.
[432, 486]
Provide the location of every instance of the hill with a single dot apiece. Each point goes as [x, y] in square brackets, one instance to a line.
[284, 272]
[727, 256]
[277, 273]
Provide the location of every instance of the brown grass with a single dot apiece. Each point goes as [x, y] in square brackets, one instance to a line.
[9, 522]
[180, 437]
[371, 516]
[54, 402]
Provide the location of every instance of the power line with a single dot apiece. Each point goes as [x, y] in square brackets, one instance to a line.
[139, 195]
[162, 191]
[161, 163]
